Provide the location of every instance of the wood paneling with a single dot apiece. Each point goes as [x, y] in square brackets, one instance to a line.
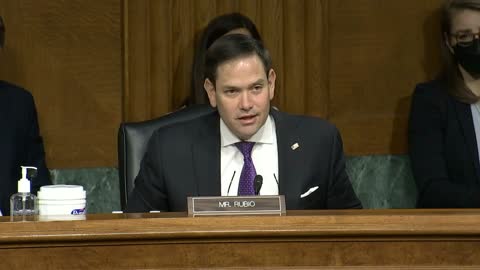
[68, 54]
[317, 68]
[353, 62]
[294, 41]
[137, 64]
[326, 239]
[377, 56]
[273, 38]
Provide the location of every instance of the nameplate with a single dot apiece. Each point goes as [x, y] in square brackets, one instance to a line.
[236, 205]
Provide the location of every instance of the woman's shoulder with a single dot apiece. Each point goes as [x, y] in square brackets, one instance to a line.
[432, 87]
[13, 92]
[433, 90]
[15, 98]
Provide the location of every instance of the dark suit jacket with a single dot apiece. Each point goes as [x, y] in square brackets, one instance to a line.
[184, 160]
[20, 142]
[443, 149]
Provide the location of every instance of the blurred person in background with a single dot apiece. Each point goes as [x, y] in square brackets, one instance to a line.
[444, 126]
[20, 140]
[232, 23]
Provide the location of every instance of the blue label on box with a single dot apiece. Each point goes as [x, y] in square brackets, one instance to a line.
[78, 211]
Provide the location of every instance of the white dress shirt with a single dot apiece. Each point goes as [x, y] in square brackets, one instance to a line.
[475, 108]
[264, 156]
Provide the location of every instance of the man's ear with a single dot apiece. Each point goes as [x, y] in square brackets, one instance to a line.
[210, 89]
[271, 83]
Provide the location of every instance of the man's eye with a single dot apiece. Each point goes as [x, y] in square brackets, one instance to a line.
[463, 36]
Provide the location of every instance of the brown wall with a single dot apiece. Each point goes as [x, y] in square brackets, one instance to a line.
[69, 55]
[379, 50]
[354, 62]
[92, 64]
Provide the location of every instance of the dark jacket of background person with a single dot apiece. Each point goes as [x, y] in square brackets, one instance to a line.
[443, 149]
[20, 142]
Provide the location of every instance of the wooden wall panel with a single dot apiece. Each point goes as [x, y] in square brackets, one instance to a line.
[294, 57]
[161, 57]
[68, 54]
[354, 62]
[182, 52]
[227, 6]
[160, 37]
[271, 28]
[282, 25]
[377, 56]
[137, 61]
[316, 66]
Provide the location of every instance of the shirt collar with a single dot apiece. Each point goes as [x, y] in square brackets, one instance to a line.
[264, 134]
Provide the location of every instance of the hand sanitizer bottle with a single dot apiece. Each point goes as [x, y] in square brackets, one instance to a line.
[23, 205]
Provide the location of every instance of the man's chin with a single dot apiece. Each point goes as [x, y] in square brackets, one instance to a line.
[246, 135]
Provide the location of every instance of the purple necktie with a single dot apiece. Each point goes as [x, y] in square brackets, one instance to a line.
[245, 186]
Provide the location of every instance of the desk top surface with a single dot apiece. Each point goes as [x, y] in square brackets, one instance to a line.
[318, 223]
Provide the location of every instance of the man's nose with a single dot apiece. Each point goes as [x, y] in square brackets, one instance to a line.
[245, 101]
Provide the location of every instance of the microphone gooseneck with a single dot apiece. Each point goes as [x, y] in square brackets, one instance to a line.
[230, 185]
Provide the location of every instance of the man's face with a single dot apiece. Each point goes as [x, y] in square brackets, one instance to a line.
[242, 94]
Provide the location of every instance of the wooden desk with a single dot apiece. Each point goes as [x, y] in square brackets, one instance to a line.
[351, 239]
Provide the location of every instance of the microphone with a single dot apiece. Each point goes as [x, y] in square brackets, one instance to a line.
[257, 182]
[278, 185]
[231, 180]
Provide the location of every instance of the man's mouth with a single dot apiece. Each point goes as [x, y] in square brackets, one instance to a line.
[247, 119]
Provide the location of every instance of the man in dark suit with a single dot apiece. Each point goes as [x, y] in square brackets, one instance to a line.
[20, 142]
[220, 153]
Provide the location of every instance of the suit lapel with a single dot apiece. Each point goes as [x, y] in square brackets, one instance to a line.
[288, 173]
[206, 157]
[464, 114]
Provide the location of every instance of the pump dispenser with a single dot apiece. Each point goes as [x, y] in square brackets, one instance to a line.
[23, 203]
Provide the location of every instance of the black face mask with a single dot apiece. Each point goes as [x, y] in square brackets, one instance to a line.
[469, 57]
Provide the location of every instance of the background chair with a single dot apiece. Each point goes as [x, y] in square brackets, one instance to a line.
[133, 139]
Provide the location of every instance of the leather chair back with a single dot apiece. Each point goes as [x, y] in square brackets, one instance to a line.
[133, 139]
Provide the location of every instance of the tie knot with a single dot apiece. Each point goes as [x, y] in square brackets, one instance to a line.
[245, 148]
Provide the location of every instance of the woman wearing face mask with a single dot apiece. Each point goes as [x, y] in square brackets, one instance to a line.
[444, 128]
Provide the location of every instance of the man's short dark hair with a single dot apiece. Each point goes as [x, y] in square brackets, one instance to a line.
[233, 46]
[2, 33]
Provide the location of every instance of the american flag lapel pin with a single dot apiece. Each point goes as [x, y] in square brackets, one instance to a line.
[295, 146]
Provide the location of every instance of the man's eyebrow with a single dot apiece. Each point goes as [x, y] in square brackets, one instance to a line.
[231, 87]
[463, 31]
[259, 81]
